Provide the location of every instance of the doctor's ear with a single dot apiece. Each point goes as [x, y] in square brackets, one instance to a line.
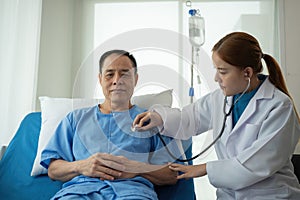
[248, 72]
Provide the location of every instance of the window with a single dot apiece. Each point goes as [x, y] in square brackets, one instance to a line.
[111, 20]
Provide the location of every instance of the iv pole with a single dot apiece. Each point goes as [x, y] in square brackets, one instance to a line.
[191, 92]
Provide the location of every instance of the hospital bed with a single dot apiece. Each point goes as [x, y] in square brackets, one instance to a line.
[16, 183]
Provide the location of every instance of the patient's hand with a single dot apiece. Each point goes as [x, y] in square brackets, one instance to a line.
[132, 166]
[157, 174]
[102, 165]
[125, 175]
[109, 167]
[99, 165]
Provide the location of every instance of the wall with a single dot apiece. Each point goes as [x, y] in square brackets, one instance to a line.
[291, 46]
[83, 46]
[64, 45]
[55, 63]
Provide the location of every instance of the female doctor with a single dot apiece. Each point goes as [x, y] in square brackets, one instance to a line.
[260, 128]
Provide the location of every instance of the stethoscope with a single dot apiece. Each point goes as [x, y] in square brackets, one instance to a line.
[226, 114]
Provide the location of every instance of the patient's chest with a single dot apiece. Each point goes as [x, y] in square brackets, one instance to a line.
[111, 133]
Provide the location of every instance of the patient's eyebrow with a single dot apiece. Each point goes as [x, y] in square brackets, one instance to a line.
[109, 70]
[114, 70]
[125, 70]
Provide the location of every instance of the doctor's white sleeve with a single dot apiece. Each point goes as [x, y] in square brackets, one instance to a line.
[182, 124]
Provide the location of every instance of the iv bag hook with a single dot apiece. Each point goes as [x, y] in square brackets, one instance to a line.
[188, 3]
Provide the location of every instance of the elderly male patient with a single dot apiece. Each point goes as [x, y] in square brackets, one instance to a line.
[90, 145]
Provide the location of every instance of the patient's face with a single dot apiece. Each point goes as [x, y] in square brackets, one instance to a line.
[118, 79]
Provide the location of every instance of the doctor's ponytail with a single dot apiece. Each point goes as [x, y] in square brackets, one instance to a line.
[275, 74]
[276, 77]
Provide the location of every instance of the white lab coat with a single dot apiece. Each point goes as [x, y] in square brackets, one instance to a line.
[254, 157]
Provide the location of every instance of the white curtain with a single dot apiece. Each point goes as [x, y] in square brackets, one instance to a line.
[19, 39]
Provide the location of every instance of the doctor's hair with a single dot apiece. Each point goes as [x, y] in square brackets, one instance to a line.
[242, 50]
[120, 53]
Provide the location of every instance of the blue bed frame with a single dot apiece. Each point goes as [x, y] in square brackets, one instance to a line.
[16, 163]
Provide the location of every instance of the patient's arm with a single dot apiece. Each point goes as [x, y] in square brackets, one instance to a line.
[157, 174]
[162, 176]
[110, 167]
[94, 166]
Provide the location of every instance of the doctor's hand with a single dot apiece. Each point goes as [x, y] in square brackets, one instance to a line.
[146, 121]
[189, 171]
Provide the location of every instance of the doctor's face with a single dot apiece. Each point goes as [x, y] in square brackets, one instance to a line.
[231, 79]
[118, 79]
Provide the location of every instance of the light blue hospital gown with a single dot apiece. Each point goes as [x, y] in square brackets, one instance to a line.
[87, 131]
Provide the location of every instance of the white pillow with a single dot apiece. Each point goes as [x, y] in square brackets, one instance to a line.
[53, 110]
[148, 100]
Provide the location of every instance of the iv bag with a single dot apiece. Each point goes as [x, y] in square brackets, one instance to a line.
[196, 30]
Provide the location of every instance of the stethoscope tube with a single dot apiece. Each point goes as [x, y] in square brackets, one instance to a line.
[209, 146]
[226, 114]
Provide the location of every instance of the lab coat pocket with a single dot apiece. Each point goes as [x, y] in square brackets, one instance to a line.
[269, 193]
[247, 136]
